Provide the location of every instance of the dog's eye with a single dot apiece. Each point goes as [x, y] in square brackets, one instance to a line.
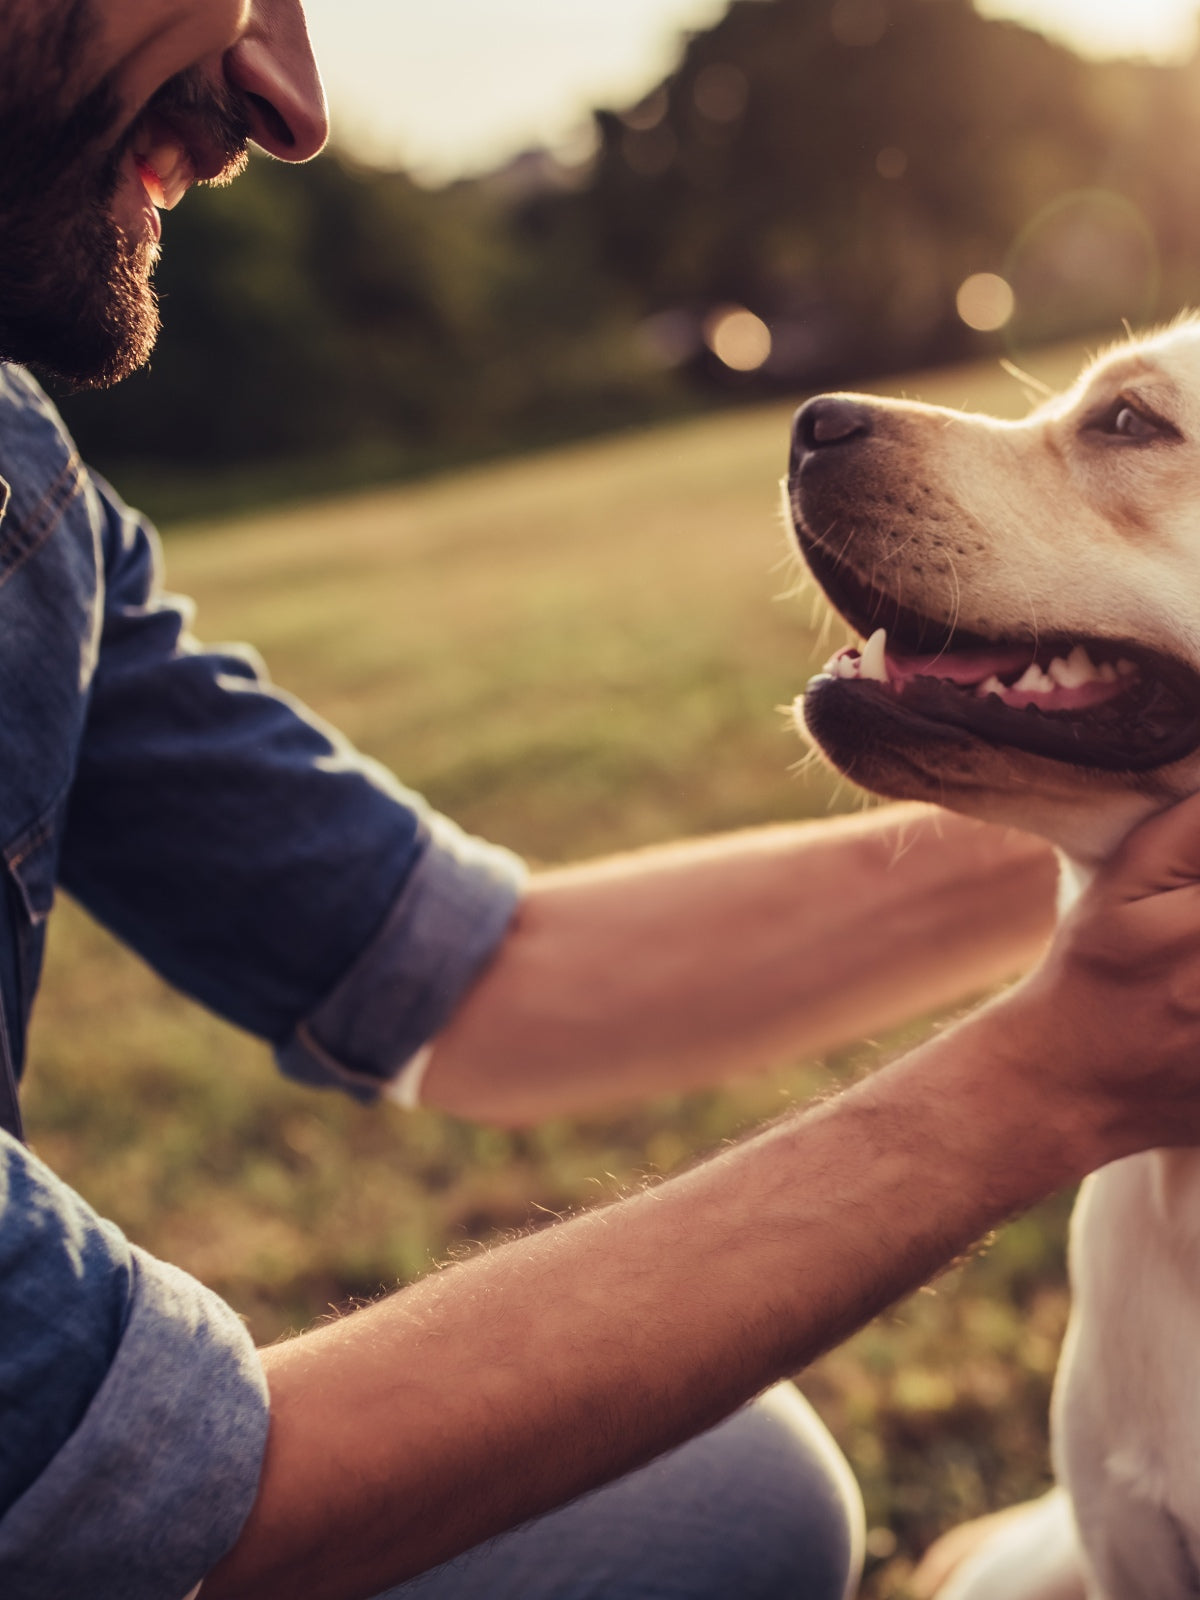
[1126, 421]
[1131, 424]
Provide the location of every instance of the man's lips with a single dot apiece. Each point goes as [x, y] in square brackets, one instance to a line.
[166, 170]
[171, 155]
[192, 131]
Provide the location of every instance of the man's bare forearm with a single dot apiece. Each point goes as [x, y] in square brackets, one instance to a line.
[510, 1384]
[678, 967]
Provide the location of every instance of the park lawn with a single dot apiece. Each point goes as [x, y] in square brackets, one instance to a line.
[583, 651]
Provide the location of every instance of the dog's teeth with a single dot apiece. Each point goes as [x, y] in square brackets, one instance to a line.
[1075, 671]
[1080, 661]
[873, 664]
[847, 667]
[989, 686]
[1108, 673]
[1035, 681]
[1126, 669]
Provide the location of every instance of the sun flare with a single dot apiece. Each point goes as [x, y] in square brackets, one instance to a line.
[1164, 29]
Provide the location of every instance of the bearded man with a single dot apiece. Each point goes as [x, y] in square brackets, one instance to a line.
[263, 866]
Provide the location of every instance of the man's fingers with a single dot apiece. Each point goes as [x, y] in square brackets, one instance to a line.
[1162, 854]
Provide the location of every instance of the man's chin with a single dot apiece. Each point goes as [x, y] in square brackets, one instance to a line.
[98, 332]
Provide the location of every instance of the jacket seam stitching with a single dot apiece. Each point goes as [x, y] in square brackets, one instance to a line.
[31, 844]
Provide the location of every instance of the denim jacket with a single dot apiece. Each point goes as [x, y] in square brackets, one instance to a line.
[259, 863]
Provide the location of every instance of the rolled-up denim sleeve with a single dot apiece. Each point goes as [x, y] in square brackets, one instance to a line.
[441, 932]
[134, 1406]
[256, 859]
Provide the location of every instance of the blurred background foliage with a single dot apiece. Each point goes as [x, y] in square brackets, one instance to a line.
[838, 169]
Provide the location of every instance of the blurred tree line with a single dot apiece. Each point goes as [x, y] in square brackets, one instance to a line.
[838, 168]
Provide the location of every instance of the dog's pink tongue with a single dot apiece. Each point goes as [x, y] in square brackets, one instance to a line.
[959, 666]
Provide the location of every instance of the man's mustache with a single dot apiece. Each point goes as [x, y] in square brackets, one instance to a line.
[211, 117]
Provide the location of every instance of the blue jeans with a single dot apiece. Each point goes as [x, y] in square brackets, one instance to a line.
[762, 1508]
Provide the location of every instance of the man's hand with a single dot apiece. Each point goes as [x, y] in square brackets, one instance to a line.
[1110, 1020]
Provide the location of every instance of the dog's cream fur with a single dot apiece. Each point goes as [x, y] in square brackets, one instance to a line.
[1060, 526]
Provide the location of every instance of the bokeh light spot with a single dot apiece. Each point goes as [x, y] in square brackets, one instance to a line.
[739, 340]
[986, 302]
[882, 1544]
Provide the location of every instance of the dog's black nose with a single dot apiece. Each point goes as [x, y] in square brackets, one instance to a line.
[828, 420]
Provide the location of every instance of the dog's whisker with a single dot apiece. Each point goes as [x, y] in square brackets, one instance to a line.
[806, 764]
[802, 587]
[1034, 388]
[906, 835]
[1020, 577]
[957, 607]
[800, 575]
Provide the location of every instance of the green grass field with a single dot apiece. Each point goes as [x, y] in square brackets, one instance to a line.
[573, 653]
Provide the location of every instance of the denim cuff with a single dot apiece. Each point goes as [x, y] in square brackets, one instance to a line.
[439, 936]
[154, 1486]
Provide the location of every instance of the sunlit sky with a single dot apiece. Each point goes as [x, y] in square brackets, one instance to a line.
[451, 86]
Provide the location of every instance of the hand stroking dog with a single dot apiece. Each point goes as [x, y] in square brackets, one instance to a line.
[1028, 595]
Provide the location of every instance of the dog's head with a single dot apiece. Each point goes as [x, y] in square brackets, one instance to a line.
[1030, 594]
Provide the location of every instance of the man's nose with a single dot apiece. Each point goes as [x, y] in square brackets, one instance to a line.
[273, 66]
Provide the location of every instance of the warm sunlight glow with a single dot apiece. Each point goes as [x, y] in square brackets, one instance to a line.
[464, 85]
[1165, 29]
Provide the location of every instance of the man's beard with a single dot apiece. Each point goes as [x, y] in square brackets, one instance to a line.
[76, 297]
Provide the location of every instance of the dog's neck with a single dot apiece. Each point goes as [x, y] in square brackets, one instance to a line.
[1088, 837]
[1091, 835]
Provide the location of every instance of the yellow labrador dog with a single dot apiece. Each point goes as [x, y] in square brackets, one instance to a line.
[1028, 595]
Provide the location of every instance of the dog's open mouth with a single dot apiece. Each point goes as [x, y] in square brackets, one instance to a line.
[1101, 703]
